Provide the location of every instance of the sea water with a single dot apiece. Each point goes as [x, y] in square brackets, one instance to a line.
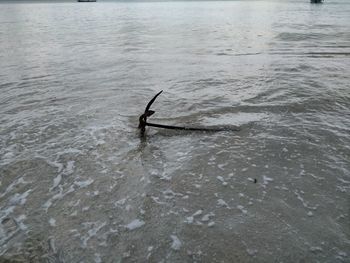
[78, 184]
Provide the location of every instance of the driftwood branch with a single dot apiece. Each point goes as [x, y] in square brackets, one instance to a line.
[143, 122]
[147, 113]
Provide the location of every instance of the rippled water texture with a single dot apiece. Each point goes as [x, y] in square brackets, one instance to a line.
[78, 185]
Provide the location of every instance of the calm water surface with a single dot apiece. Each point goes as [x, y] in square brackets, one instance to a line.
[78, 185]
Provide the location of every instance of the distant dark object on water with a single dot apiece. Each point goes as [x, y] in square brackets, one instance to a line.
[316, 1]
[87, 0]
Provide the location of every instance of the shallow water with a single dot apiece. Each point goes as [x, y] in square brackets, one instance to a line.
[78, 185]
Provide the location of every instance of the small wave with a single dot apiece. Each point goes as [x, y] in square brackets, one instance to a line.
[7, 84]
[36, 77]
[295, 37]
[311, 54]
[238, 54]
[327, 54]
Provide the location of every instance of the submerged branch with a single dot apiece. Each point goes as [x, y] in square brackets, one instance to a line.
[143, 122]
[205, 129]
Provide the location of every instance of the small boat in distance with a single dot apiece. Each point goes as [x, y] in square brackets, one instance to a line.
[316, 1]
[86, 0]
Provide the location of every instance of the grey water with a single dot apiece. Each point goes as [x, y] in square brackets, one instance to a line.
[77, 184]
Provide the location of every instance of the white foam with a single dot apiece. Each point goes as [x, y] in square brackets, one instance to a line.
[189, 219]
[126, 254]
[222, 180]
[85, 183]
[211, 224]
[75, 213]
[12, 185]
[222, 165]
[120, 202]
[343, 181]
[222, 203]
[19, 220]
[207, 217]
[52, 244]
[252, 252]
[197, 213]
[93, 231]
[19, 199]
[267, 180]
[98, 258]
[6, 212]
[47, 204]
[156, 200]
[52, 222]
[305, 204]
[57, 196]
[169, 194]
[137, 223]
[69, 168]
[176, 245]
[240, 207]
[58, 165]
[341, 255]
[56, 181]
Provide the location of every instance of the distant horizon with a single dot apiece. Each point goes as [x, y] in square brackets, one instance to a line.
[9, 1]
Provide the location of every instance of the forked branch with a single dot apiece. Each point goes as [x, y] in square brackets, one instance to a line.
[143, 122]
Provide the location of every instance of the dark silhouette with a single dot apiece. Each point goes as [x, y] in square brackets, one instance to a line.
[143, 122]
[147, 113]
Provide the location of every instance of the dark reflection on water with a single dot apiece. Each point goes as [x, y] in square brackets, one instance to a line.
[78, 184]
